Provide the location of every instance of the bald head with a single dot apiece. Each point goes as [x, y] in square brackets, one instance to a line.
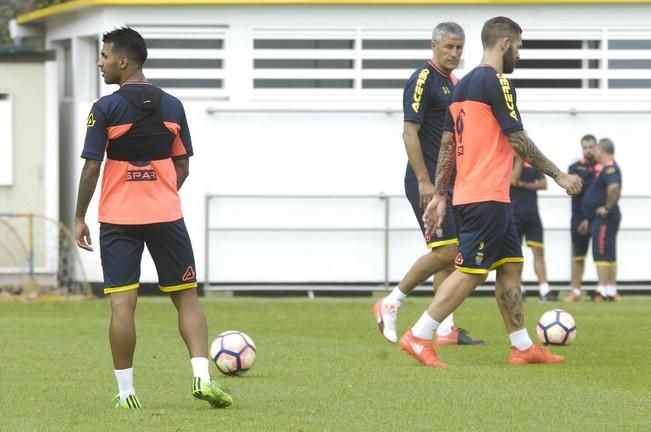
[607, 146]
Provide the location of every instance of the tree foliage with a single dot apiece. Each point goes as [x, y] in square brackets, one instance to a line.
[9, 9]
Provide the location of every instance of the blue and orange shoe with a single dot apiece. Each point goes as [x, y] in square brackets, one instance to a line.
[457, 336]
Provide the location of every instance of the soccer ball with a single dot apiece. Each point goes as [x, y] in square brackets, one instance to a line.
[556, 327]
[233, 352]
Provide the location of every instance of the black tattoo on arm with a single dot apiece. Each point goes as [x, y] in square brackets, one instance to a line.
[445, 164]
[511, 301]
[527, 150]
[182, 167]
[87, 185]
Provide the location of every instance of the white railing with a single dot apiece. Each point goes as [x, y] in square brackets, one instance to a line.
[363, 242]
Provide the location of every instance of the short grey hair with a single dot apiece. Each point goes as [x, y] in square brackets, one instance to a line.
[447, 28]
[607, 146]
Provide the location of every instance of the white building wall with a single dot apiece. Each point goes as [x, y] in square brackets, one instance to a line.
[249, 143]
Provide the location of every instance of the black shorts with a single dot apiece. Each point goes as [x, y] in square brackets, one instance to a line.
[604, 239]
[487, 237]
[121, 248]
[448, 233]
[529, 226]
[580, 241]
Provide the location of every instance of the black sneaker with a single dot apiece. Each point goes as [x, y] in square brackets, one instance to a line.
[550, 296]
[457, 336]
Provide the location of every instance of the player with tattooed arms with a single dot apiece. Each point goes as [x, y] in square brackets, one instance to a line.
[482, 131]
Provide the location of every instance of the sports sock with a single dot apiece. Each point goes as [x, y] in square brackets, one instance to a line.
[576, 291]
[425, 327]
[395, 297]
[200, 368]
[602, 290]
[520, 339]
[611, 290]
[446, 325]
[543, 289]
[124, 377]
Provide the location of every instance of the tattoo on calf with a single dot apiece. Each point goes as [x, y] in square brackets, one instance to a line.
[511, 301]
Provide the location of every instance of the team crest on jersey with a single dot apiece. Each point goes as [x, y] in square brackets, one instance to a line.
[479, 258]
[611, 170]
[439, 232]
[90, 121]
[459, 259]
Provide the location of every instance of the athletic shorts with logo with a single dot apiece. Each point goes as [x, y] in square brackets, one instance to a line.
[487, 237]
[169, 245]
[448, 232]
[604, 239]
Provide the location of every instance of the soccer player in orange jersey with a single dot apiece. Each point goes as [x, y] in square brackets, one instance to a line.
[483, 130]
[144, 134]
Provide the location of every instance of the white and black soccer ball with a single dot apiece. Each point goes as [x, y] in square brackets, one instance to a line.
[556, 327]
[233, 352]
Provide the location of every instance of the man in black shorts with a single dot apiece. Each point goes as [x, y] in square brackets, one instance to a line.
[426, 98]
[525, 184]
[600, 206]
[586, 168]
[144, 134]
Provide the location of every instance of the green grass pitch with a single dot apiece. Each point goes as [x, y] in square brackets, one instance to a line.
[322, 366]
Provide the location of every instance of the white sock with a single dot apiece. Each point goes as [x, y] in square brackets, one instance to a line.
[124, 378]
[576, 291]
[395, 297]
[425, 327]
[602, 290]
[523, 290]
[200, 368]
[446, 325]
[611, 290]
[520, 339]
[543, 289]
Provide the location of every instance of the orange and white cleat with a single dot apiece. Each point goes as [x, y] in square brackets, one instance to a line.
[572, 297]
[386, 316]
[421, 349]
[457, 336]
[598, 298]
[534, 354]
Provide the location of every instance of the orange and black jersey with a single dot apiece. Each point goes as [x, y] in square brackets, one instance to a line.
[426, 98]
[141, 129]
[482, 112]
